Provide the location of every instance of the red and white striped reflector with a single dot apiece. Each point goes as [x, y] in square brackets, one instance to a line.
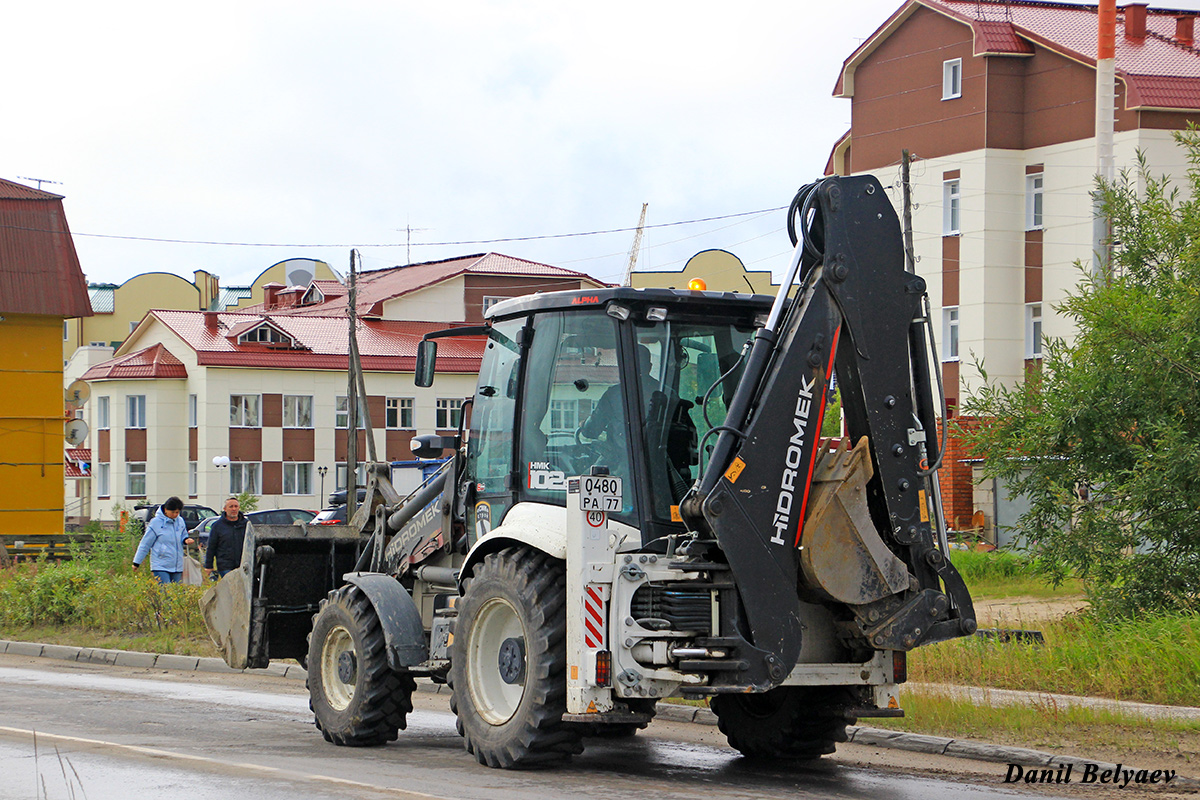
[595, 597]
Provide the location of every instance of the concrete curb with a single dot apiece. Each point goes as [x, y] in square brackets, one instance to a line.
[871, 737]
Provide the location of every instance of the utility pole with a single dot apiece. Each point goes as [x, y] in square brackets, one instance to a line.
[351, 399]
[910, 261]
[1106, 77]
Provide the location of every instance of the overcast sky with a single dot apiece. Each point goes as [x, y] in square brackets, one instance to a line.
[340, 124]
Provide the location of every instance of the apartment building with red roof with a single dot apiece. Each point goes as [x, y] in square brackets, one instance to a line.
[266, 386]
[996, 101]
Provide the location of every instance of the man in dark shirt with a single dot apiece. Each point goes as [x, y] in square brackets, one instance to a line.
[225, 539]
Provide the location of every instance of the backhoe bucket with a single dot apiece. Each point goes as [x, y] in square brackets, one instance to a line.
[842, 557]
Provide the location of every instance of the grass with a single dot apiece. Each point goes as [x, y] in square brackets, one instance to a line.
[1151, 661]
[97, 600]
[1097, 733]
[78, 636]
[1001, 574]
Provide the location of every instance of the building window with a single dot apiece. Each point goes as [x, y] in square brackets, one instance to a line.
[103, 488]
[243, 411]
[193, 479]
[135, 479]
[66, 335]
[245, 477]
[400, 412]
[102, 413]
[491, 300]
[264, 334]
[952, 79]
[951, 207]
[133, 326]
[135, 411]
[193, 411]
[449, 412]
[568, 415]
[1033, 202]
[297, 410]
[340, 474]
[342, 413]
[297, 478]
[1033, 330]
[950, 333]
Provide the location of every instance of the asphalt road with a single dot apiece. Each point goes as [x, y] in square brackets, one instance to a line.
[111, 732]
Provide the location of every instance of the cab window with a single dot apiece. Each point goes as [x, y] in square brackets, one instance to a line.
[574, 408]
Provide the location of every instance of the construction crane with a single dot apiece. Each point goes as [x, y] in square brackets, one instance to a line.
[636, 248]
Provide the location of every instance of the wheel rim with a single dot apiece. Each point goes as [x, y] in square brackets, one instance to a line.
[489, 662]
[336, 652]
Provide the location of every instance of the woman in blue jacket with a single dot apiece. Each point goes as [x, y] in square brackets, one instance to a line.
[163, 541]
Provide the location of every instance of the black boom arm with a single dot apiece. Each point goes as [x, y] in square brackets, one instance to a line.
[849, 528]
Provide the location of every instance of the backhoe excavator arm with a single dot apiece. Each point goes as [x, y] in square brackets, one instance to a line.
[852, 528]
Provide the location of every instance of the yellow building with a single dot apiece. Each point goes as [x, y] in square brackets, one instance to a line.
[721, 270]
[117, 309]
[41, 286]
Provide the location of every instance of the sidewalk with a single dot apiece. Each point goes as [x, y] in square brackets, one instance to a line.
[872, 737]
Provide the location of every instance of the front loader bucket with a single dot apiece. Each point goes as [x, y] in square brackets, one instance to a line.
[226, 609]
[264, 609]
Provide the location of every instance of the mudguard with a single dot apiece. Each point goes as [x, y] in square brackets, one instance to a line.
[540, 526]
[403, 633]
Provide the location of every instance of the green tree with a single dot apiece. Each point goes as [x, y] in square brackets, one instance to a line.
[1105, 439]
[248, 501]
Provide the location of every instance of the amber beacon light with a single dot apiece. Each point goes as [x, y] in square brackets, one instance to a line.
[697, 285]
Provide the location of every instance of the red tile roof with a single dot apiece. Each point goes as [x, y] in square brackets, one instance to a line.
[321, 343]
[377, 286]
[1158, 71]
[39, 270]
[151, 362]
[77, 461]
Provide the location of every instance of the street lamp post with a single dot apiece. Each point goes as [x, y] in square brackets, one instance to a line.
[321, 471]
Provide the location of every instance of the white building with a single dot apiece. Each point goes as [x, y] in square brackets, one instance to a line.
[267, 388]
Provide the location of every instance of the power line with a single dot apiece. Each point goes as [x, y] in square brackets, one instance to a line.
[401, 244]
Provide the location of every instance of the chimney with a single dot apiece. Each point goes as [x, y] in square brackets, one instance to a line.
[270, 292]
[289, 297]
[1183, 30]
[1135, 21]
[211, 320]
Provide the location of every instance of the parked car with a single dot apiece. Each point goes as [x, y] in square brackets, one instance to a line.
[268, 516]
[338, 498]
[192, 514]
[334, 515]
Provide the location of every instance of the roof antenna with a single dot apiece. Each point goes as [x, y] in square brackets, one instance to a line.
[39, 181]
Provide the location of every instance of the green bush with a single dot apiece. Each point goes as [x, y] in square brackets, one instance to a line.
[76, 593]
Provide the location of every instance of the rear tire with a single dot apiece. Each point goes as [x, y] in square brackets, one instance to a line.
[791, 722]
[508, 668]
[356, 699]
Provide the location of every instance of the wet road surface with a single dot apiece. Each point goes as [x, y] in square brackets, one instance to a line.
[106, 732]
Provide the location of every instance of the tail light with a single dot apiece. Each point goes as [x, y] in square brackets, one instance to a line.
[899, 666]
[604, 668]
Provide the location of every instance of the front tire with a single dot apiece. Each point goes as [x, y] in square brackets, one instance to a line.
[508, 668]
[356, 698]
[790, 722]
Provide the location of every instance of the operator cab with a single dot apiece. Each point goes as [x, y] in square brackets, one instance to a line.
[626, 379]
